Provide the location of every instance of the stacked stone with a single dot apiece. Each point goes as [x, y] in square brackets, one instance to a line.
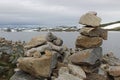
[42, 57]
[89, 42]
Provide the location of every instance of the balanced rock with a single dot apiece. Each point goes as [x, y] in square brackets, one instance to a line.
[94, 32]
[90, 20]
[38, 66]
[35, 42]
[88, 56]
[88, 42]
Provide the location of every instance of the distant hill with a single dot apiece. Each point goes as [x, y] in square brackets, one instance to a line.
[106, 24]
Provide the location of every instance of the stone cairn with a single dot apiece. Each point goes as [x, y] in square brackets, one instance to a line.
[46, 58]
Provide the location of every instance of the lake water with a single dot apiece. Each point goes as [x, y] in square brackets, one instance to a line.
[110, 45]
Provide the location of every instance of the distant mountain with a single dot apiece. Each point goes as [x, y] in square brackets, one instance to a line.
[113, 26]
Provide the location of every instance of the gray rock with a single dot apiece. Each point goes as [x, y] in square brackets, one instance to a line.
[90, 20]
[50, 37]
[88, 42]
[88, 56]
[94, 32]
[20, 75]
[63, 70]
[77, 71]
[67, 76]
[111, 60]
[58, 42]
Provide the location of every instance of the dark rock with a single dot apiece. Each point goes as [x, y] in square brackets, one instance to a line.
[58, 42]
[50, 37]
[20, 75]
[88, 56]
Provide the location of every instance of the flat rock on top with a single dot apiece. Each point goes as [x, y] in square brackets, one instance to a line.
[36, 41]
[90, 20]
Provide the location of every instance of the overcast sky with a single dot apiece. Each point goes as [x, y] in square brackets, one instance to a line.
[56, 12]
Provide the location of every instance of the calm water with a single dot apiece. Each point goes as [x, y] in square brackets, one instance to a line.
[110, 45]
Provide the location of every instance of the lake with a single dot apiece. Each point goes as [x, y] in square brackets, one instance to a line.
[110, 45]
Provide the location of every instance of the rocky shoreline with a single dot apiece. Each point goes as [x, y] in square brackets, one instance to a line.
[45, 57]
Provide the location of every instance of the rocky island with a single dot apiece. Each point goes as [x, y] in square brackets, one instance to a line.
[45, 57]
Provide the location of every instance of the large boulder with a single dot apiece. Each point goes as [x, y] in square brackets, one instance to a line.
[86, 57]
[50, 37]
[36, 41]
[37, 67]
[90, 20]
[88, 42]
[94, 32]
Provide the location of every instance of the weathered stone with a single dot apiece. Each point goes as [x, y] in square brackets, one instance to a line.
[37, 54]
[50, 37]
[77, 71]
[94, 76]
[94, 32]
[88, 56]
[63, 70]
[114, 71]
[35, 42]
[20, 75]
[38, 66]
[88, 42]
[58, 42]
[67, 76]
[111, 60]
[90, 20]
[48, 46]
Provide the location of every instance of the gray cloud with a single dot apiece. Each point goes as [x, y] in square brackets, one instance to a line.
[55, 12]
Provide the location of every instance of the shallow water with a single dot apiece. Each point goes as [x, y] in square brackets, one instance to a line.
[110, 45]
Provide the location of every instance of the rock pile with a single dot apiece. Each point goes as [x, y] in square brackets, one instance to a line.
[43, 56]
[9, 53]
[89, 42]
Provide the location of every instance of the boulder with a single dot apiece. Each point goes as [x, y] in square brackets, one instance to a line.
[90, 20]
[94, 32]
[76, 71]
[93, 12]
[88, 42]
[20, 75]
[36, 41]
[37, 67]
[88, 56]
